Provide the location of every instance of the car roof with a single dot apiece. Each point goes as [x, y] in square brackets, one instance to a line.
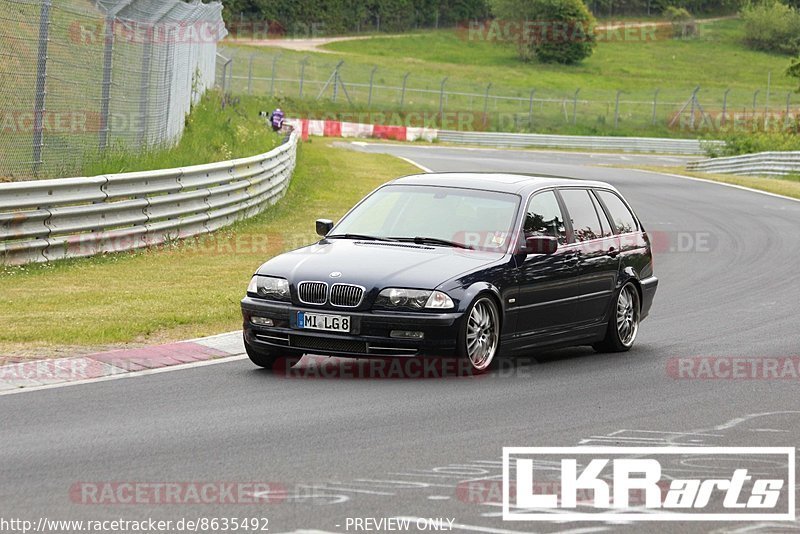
[503, 182]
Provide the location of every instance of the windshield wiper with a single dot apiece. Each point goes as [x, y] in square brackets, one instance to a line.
[433, 241]
[359, 236]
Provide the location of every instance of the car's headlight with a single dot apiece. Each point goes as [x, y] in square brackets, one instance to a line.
[415, 299]
[439, 301]
[269, 287]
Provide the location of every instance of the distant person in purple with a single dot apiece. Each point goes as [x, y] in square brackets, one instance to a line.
[276, 118]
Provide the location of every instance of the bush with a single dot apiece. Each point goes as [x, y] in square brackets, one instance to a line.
[794, 71]
[772, 27]
[752, 142]
[561, 31]
[683, 24]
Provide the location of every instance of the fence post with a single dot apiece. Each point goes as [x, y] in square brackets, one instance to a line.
[144, 100]
[170, 63]
[274, 69]
[575, 107]
[335, 84]
[655, 105]
[403, 91]
[616, 111]
[250, 75]
[755, 97]
[225, 68]
[724, 106]
[530, 110]
[108, 65]
[486, 105]
[441, 100]
[230, 76]
[694, 105]
[303, 64]
[41, 86]
[766, 103]
[788, 100]
[371, 82]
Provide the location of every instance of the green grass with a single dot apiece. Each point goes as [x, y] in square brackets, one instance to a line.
[217, 129]
[185, 290]
[716, 60]
[788, 186]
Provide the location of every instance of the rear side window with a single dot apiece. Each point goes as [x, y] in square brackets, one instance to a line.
[584, 214]
[544, 217]
[623, 218]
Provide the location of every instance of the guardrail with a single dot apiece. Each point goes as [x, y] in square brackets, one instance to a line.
[760, 164]
[47, 220]
[620, 144]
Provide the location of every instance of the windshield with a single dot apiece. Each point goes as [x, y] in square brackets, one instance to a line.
[466, 218]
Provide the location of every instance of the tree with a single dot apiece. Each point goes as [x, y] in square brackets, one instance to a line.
[553, 31]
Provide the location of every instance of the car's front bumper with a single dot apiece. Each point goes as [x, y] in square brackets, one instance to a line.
[370, 334]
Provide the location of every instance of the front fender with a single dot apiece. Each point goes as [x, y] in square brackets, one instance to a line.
[471, 292]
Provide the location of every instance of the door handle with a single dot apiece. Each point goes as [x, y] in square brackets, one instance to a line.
[613, 252]
[573, 259]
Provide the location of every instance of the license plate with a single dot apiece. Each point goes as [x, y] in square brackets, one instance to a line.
[319, 321]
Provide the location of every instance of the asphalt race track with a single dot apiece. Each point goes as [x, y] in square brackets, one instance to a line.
[344, 447]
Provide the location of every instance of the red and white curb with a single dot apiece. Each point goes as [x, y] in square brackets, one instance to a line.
[26, 374]
[326, 128]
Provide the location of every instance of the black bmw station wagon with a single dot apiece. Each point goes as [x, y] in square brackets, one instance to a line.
[459, 264]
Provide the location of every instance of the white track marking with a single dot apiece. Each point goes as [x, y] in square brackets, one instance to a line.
[704, 180]
[739, 420]
[134, 374]
[743, 188]
[415, 164]
[492, 530]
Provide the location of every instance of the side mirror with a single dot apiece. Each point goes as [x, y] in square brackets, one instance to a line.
[324, 227]
[539, 244]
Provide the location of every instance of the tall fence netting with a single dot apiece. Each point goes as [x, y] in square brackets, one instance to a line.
[79, 77]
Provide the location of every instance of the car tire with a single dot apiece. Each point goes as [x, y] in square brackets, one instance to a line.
[623, 321]
[479, 337]
[269, 359]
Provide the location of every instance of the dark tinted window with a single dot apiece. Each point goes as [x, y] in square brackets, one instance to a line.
[544, 217]
[581, 207]
[623, 218]
[605, 225]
